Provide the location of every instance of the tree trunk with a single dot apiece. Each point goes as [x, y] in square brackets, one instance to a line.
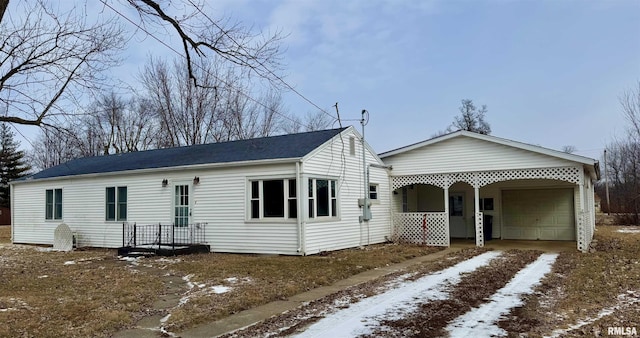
[3, 7]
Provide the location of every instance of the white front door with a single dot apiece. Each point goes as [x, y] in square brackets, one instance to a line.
[457, 225]
[181, 206]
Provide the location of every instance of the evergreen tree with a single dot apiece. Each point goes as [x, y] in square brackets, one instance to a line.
[12, 163]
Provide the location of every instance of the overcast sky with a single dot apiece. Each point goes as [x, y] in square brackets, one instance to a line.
[550, 72]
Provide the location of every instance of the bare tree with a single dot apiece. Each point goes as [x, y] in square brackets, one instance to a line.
[310, 122]
[200, 35]
[471, 118]
[53, 146]
[219, 109]
[569, 149]
[623, 159]
[47, 59]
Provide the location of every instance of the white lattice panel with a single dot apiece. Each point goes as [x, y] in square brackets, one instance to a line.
[479, 179]
[479, 229]
[408, 228]
[63, 238]
[583, 244]
[567, 174]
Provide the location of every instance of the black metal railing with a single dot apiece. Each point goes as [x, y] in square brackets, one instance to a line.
[162, 235]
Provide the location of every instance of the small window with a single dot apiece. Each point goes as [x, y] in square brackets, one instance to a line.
[53, 204]
[116, 203]
[486, 204]
[323, 198]
[373, 192]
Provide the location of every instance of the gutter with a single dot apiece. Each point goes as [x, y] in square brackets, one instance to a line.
[162, 169]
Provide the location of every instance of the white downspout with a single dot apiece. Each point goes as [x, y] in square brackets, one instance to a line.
[300, 211]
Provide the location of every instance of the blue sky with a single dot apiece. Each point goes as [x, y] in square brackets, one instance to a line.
[550, 72]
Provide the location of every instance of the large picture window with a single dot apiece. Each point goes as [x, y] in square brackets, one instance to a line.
[323, 198]
[53, 204]
[116, 204]
[273, 199]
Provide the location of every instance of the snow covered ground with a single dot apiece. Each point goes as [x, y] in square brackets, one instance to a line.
[363, 317]
[482, 321]
[358, 318]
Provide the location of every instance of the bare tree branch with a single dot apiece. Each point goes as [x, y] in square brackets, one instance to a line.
[47, 59]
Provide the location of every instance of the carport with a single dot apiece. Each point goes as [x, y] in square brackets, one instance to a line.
[445, 187]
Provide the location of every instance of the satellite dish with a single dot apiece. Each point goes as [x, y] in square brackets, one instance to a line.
[63, 238]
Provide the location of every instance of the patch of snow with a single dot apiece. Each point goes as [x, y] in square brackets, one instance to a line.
[168, 260]
[132, 260]
[45, 249]
[43, 276]
[629, 231]
[202, 285]
[69, 262]
[218, 289]
[187, 279]
[624, 300]
[482, 321]
[165, 318]
[232, 279]
[357, 318]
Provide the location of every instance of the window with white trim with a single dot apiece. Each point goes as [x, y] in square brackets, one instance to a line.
[116, 203]
[273, 199]
[373, 192]
[53, 204]
[323, 198]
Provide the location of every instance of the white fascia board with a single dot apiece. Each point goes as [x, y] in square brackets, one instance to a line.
[494, 139]
[166, 169]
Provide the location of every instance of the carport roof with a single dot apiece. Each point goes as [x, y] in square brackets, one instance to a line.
[503, 141]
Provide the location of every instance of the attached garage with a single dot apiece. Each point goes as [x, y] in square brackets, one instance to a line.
[539, 214]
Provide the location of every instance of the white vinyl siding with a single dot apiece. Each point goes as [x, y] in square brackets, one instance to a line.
[220, 199]
[463, 154]
[345, 230]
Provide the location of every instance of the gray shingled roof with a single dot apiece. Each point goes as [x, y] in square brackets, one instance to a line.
[265, 148]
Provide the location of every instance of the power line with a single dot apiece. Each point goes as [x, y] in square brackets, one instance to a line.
[204, 69]
[262, 64]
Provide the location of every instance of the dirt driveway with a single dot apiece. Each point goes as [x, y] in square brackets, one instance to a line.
[466, 298]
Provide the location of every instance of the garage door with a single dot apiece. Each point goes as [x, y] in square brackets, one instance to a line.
[545, 214]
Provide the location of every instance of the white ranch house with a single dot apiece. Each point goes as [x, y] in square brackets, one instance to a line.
[303, 193]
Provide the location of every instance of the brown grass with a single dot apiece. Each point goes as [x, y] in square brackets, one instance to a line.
[263, 279]
[583, 284]
[40, 296]
[5, 234]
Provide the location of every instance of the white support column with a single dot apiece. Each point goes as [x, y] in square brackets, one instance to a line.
[446, 212]
[582, 237]
[478, 218]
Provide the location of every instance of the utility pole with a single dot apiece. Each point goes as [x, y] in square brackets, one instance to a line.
[606, 182]
[366, 212]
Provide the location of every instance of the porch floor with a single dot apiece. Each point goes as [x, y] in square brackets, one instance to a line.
[162, 250]
[507, 244]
